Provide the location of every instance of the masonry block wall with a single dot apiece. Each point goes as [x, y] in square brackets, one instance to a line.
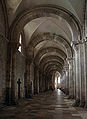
[2, 21]
[19, 73]
[3, 59]
[3, 55]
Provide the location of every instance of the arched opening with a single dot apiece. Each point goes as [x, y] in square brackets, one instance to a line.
[43, 57]
[57, 80]
[48, 32]
[20, 43]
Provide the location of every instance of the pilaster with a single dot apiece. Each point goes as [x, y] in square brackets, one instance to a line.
[71, 81]
[10, 83]
[36, 80]
[79, 61]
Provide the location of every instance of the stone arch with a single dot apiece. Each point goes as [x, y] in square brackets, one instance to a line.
[51, 37]
[52, 63]
[50, 54]
[47, 50]
[52, 68]
[42, 11]
[46, 59]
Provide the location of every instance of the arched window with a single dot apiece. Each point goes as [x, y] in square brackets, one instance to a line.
[20, 41]
[59, 79]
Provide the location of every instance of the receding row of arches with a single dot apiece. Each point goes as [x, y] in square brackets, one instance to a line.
[46, 52]
[44, 42]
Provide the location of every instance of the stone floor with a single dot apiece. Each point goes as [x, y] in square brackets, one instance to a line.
[49, 105]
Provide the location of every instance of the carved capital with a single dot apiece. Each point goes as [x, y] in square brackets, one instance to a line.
[75, 44]
[70, 58]
[66, 68]
[85, 40]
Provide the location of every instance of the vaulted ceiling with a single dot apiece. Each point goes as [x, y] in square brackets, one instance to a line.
[49, 27]
[16, 6]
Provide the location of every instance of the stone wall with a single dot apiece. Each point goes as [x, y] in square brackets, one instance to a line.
[63, 81]
[3, 55]
[2, 21]
[19, 73]
[3, 61]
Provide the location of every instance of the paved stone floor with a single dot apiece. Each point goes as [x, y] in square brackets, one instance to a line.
[49, 105]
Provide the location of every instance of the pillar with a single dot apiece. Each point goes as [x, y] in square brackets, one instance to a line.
[85, 72]
[46, 83]
[85, 53]
[32, 77]
[10, 82]
[29, 80]
[81, 75]
[67, 82]
[77, 78]
[74, 74]
[71, 81]
[79, 62]
[40, 81]
[36, 81]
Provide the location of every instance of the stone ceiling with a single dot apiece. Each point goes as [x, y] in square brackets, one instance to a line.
[61, 29]
[16, 6]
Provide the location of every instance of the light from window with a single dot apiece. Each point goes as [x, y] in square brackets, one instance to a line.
[20, 39]
[59, 80]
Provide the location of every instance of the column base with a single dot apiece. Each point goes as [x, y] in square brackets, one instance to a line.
[67, 93]
[36, 92]
[10, 102]
[85, 106]
[82, 103]
[9, 99]
[7, 96]
[28, 96]
[77, 103]
[71, 97]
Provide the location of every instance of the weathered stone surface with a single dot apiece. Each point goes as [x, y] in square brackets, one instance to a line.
[35, 45]
[50, 105]
[3, 64]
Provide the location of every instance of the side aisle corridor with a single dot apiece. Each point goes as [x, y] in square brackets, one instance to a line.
[43, 59]
[49, 105]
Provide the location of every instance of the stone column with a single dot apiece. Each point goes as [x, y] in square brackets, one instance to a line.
[64, 81]
[74, 75]
[43, 82]
[32, 77]
[71, 81]
[40, 82]
[85, 71]
[79, 61]
[75, 47]
[10, 83]
[27, 80]
[36, 81]
[85, 52]
[14, 47]
[77, 78]
[29, 87]
[67, 82]
[81, 74]
[46, 83]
